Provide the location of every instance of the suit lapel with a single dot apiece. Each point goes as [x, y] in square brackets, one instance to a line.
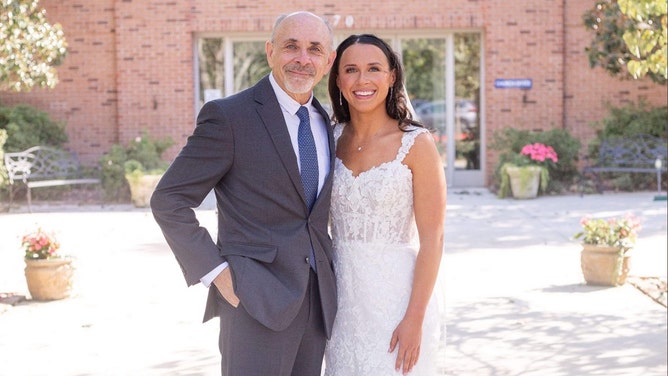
[278, 131]
[332, 152]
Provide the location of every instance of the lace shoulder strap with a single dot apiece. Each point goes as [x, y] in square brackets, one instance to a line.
[408, 139]
[338, 130]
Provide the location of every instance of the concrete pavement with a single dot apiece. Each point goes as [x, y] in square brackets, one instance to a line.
[513, 295]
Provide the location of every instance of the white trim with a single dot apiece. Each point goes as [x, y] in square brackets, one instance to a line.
[228, 83]
[196, 84]
[450, 105]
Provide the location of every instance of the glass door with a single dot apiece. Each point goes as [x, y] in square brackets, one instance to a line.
[424, 65]
[441, 74]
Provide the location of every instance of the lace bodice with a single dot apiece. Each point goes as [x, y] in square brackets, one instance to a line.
[377, 205]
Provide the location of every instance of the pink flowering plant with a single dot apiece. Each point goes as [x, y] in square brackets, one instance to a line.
[40, 245]
[539, 154]
[536, 154]
[613, 232]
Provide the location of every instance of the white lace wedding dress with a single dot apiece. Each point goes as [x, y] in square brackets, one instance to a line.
[375, 247]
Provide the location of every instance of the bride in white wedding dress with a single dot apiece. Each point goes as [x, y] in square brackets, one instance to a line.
[387, 216]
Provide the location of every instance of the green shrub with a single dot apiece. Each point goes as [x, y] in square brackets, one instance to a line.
[27, 126]
[510, 142]
[625, 121]
[132, 166]
[633, 119]
[629, 120]
[143, 155]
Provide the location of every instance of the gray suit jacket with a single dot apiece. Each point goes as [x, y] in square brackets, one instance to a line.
[241, 148]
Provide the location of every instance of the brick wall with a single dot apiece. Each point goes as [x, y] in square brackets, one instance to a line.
[130, 62]
[154, 69]
[523, 39]
[86, 97]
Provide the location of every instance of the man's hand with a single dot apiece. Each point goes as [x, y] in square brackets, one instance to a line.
[223, 283]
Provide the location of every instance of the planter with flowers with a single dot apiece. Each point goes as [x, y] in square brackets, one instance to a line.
[49, 275]
[144, 167]
[142, 183]
[527, 172]
[606, 249]
[137, 166]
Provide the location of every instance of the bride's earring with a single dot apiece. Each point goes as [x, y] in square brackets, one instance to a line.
[340, 99]
[391, 92]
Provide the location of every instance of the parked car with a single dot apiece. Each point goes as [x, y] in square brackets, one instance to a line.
[432, 114]
[467, 113]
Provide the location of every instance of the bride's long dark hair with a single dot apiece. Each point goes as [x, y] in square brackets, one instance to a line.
[396, 104]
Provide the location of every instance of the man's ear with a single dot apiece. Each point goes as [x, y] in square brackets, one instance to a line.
[269, 50]
[330, 60]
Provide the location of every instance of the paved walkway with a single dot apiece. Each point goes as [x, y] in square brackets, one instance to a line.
[514, 299]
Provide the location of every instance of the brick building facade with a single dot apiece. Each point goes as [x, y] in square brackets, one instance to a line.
[131, 64]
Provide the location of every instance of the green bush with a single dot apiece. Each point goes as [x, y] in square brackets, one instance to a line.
[510, 142]
[27, 126]
[22, 127]
[633, 119]
[142, 155]
[630, 120]
[625, 121]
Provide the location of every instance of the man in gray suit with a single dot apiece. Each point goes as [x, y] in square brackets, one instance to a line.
[270, 271]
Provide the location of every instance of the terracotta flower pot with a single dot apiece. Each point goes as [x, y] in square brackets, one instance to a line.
[604, 265]
[49, 279]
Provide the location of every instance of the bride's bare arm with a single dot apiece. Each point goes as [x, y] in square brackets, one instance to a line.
[429, 199]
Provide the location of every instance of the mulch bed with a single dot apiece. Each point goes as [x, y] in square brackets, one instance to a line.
[653, 287]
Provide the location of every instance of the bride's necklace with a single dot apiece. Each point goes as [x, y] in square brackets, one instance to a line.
[362, 146]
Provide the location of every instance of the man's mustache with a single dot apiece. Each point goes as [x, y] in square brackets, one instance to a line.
[300, 68]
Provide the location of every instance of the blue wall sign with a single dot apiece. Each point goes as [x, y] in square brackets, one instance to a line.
[513, 83]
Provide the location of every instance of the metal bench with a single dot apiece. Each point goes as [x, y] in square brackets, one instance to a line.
[42, 166]
[641, 153]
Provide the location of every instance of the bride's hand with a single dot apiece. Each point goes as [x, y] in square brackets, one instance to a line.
[408, 336]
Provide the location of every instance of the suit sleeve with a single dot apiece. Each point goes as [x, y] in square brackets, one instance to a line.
[201, 164]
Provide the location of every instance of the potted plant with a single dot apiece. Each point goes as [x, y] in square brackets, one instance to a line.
[606, 248]
[527, 171]
[142, 181]
[137, 166]
[48, 274]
